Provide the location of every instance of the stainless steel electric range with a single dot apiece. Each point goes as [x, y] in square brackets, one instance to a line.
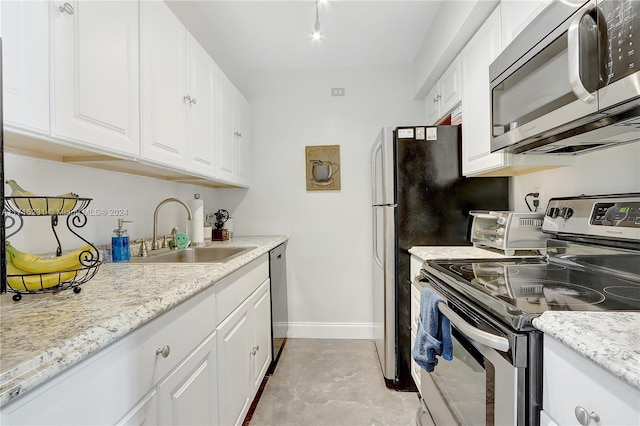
[592, 264]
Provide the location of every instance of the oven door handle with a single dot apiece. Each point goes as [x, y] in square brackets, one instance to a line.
[491, 340]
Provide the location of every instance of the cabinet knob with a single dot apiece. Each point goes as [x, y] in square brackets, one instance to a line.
[187, 97]
[584, 417]
[193, 100]
[255, 350]
[239, 134]
[66, 8]
[165, 351]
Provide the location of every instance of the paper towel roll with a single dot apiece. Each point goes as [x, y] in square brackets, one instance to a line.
[197, 222]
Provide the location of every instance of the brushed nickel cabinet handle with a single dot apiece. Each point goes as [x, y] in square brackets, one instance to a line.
[165, 351]
[66, 8]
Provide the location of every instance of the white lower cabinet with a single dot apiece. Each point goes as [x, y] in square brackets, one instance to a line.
[188, 396]
[199, 363]
[416, 265]
[244, 354]
[574, 384]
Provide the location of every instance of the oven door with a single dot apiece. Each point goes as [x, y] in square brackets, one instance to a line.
[480, 385]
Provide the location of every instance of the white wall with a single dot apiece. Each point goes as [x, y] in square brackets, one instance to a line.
[328, 254]
[110, 191]
[608, 171]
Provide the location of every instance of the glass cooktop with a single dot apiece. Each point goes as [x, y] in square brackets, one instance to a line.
[518, 289]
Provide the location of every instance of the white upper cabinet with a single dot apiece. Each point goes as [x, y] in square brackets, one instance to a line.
[516, 14]
[227, 131]
[24, 26]
[201, 119]
[95, 74]
[243, 139]
[164, 85]
[445, 95]
[475, 59]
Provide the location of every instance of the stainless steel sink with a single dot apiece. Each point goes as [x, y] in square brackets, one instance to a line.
[211, 254]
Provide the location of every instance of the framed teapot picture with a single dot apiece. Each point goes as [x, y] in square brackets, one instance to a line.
[323, 167]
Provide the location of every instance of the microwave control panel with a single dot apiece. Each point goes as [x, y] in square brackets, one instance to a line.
[623, 37]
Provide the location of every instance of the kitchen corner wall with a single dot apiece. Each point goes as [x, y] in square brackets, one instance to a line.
[114, 195]
[329, 248]
[607, 171]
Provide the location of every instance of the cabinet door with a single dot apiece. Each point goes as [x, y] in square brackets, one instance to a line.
[188, 396]
[96, 74]
[201, 120]
[515, 15]
[450, 87]
[243, 139]
[235, 340]
[226, 141]
[144, 413]
[475, 59]
[24, 26]
[261, 319]
[431, 105]
[164, 91]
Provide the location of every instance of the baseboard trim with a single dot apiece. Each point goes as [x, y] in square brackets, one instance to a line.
[329, 330]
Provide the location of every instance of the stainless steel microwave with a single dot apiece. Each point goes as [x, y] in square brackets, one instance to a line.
[569, 83]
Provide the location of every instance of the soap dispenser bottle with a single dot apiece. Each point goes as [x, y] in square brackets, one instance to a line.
[120, 243]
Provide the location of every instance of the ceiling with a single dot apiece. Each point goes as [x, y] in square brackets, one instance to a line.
[253, 35]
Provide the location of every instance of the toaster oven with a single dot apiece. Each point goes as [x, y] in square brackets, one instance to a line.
[508, 231]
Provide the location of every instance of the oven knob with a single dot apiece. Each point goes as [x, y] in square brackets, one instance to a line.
[502, 220]
[553, 212]
[500, 231]
[566, 212]
[499, 241]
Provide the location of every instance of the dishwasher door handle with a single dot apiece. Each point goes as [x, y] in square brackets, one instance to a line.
[491, 340]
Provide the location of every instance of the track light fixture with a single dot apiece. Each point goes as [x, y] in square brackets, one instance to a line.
[316, 35]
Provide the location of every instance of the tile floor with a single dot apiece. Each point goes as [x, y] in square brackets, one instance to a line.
[332, 383]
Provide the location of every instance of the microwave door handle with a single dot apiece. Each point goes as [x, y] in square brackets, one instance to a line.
[573, 42]
[491, 340]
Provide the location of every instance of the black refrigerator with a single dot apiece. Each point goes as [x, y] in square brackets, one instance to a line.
[419, 198]
[3, 265]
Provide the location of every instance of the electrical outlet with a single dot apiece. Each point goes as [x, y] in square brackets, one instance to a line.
[541, 202]
[337, 91]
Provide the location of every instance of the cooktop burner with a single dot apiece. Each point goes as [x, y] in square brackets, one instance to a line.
[518, 289]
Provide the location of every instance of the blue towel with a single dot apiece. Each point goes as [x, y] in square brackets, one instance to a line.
[434, 332]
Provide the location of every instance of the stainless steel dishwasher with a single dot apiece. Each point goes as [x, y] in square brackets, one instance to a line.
[279, 311]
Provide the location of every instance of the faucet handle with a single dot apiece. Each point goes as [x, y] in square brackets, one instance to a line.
[165, 243]
[143, 250]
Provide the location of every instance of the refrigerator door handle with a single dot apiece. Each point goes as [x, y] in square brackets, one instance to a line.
[374, 173]
[375, 239]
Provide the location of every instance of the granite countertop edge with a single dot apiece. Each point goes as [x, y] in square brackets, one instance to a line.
[609, 339]
[51, 361]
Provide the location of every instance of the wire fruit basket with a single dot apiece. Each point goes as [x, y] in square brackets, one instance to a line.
[82, 269]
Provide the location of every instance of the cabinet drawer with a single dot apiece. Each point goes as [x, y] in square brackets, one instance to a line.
[572, 381]
[105, 386]
[237, 287]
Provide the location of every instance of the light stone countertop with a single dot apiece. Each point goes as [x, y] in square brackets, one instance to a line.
[44, 334]
[610, 339]
[454, 252]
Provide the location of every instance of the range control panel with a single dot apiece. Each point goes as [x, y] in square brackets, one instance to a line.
[616, 217]
[616, 214]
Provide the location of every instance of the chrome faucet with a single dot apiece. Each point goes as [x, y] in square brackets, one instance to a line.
[154, 243]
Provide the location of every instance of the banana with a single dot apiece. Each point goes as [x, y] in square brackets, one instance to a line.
[36, 264]
[22, 281]
[58, 204]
